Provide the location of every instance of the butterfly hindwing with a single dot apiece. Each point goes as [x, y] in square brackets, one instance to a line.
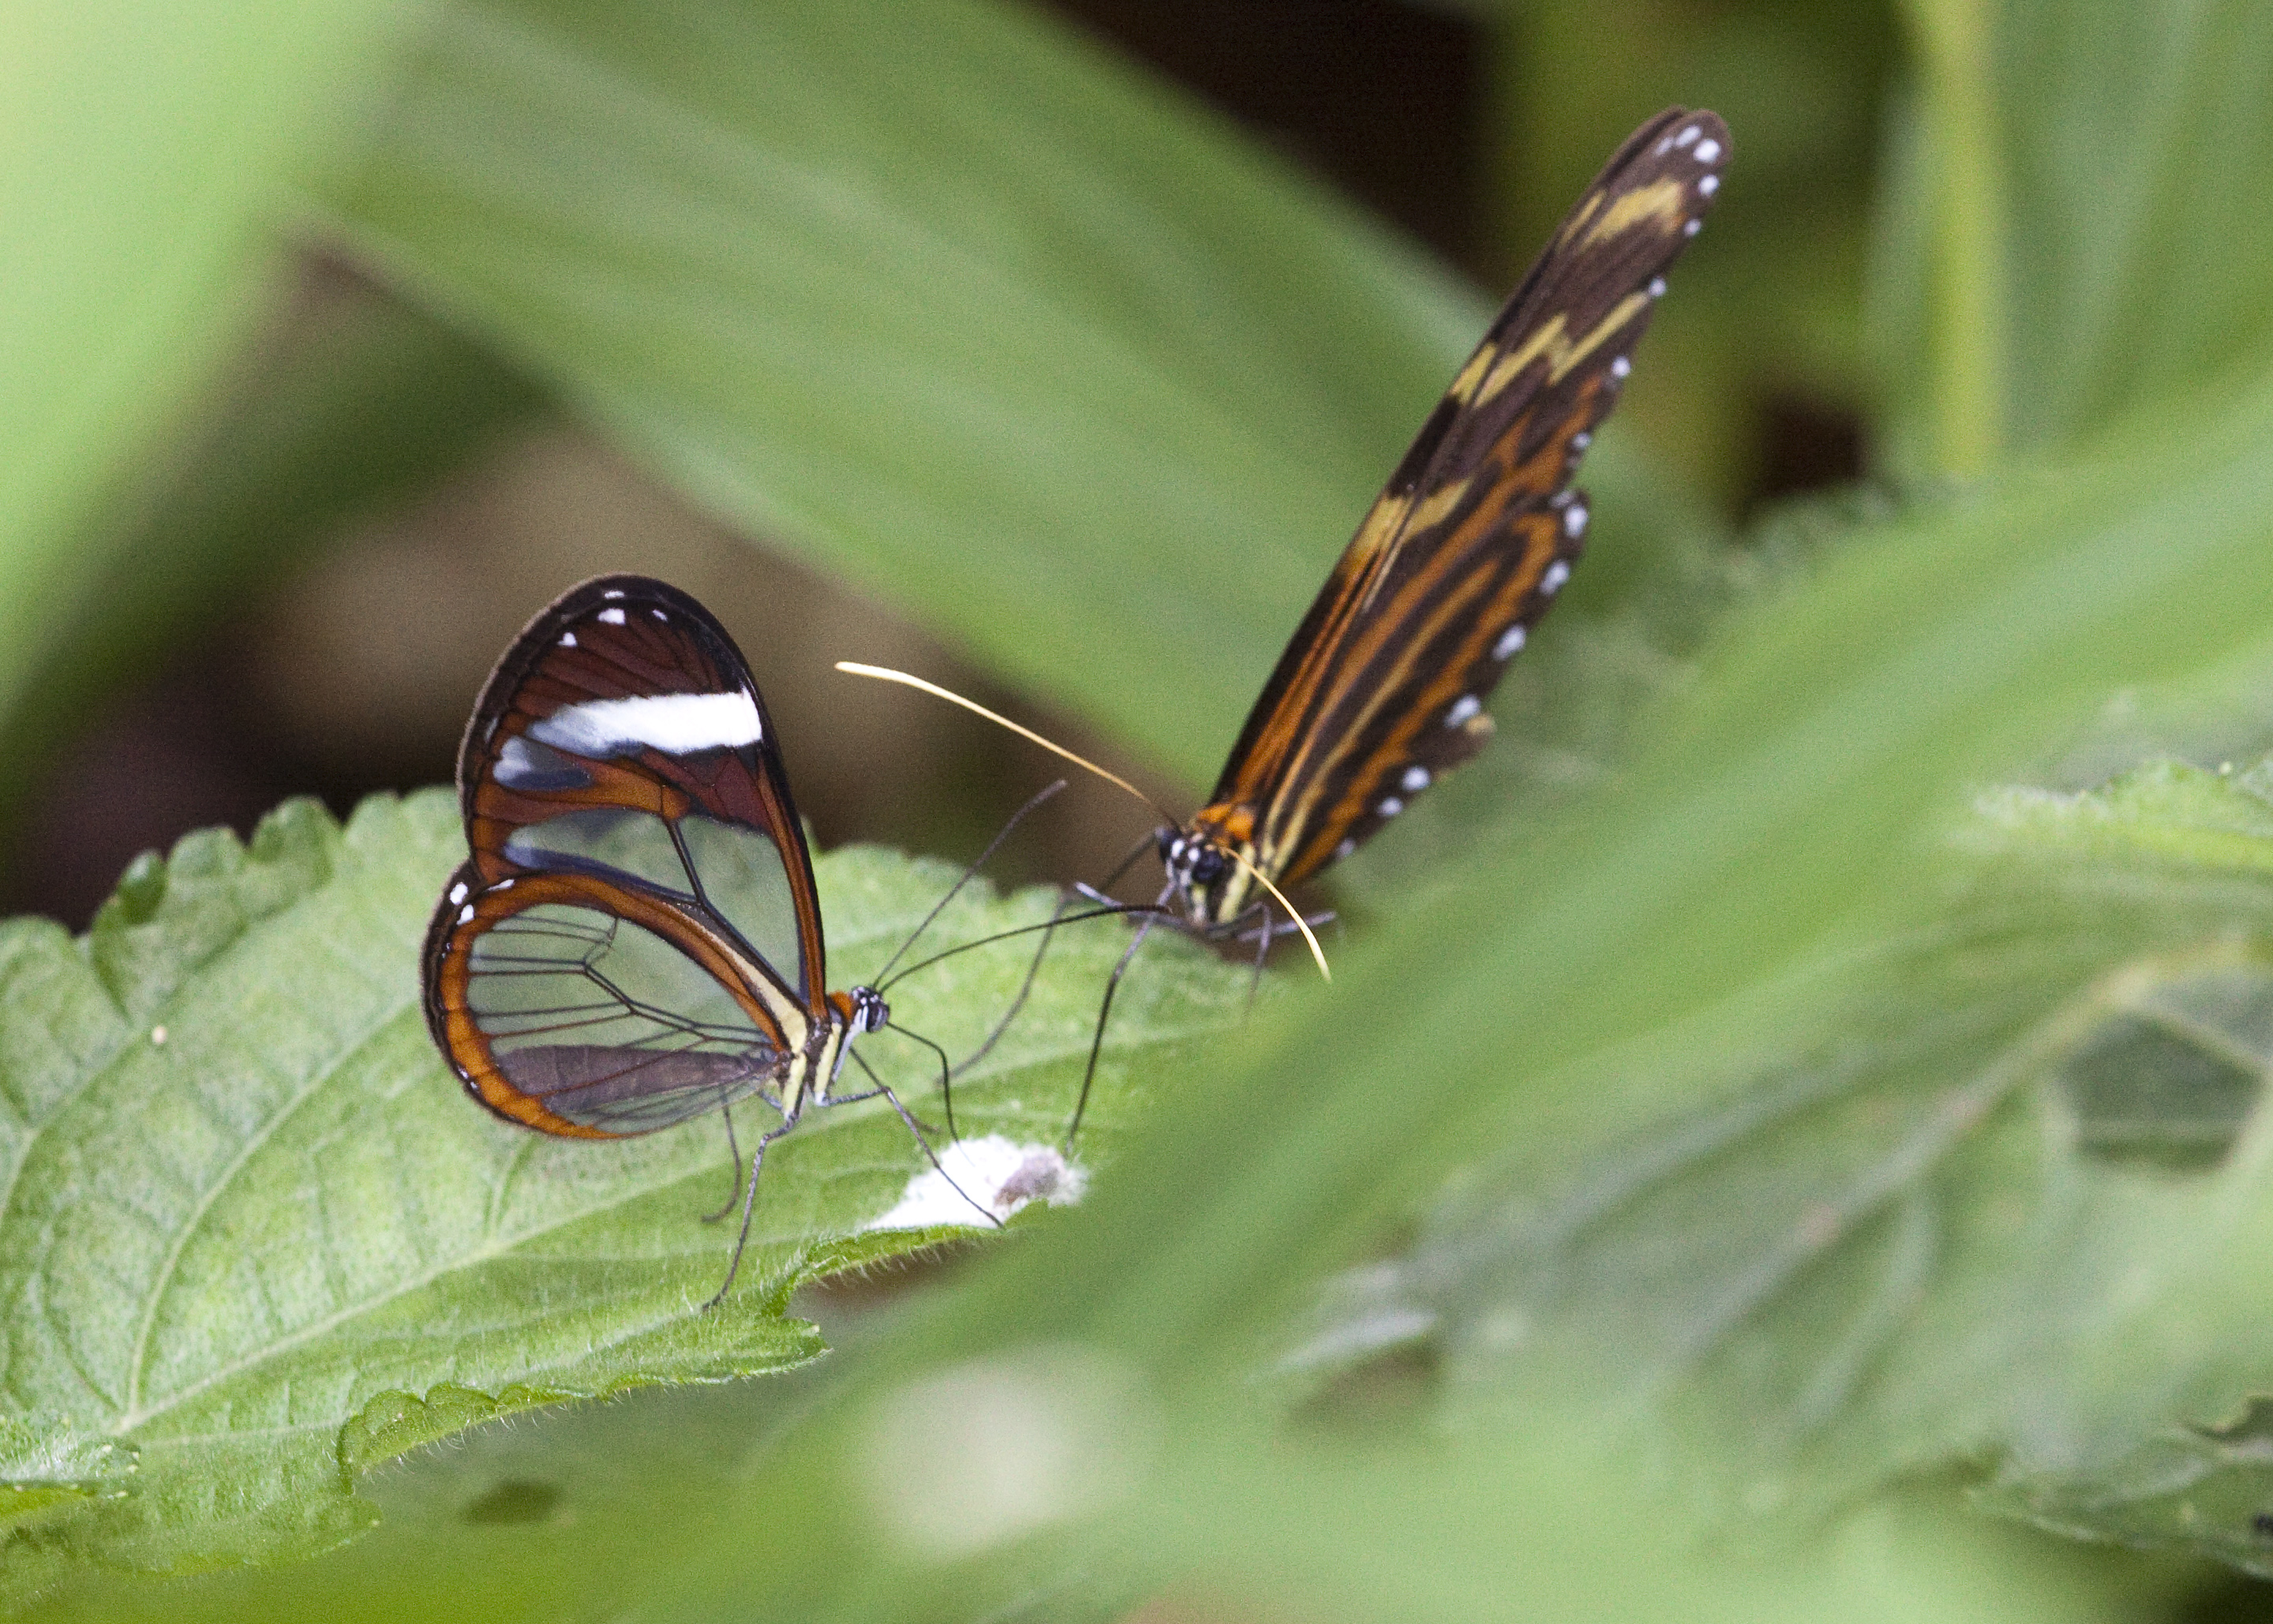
[1382, 685]
[635, 938]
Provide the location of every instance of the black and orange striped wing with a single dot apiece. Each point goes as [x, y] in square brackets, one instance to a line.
[1382, 686]
[635, 938]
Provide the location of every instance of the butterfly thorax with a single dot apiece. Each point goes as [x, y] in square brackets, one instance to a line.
[850, 1014]
[1204, 864]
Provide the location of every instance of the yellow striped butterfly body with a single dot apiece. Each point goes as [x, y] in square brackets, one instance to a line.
[635, 938]
[1382, 686]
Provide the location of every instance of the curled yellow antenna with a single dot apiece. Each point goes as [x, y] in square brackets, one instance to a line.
[1293, 912]
[884, 673]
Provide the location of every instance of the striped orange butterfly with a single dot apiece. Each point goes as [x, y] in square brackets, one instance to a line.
[1382, 689]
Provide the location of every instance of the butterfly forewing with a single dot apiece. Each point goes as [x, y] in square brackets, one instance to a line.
[635, 938]
[1382, 685]
[623, 734]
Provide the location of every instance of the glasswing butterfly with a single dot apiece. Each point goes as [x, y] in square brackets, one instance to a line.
[1382, 688]
[636, 939]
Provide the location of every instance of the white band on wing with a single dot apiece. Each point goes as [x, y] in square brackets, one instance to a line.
[675, 723]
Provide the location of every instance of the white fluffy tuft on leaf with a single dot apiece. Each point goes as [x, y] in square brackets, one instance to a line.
[991, 1173]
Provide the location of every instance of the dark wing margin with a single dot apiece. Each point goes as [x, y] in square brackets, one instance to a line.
[636, 939]
[1381, 686]
[569, 1007]
[622, 640]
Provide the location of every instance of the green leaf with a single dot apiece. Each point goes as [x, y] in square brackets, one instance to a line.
[258, 1239]
[133, 244]
[939, 295]
[2062, 246]
[1789, 801]
[355, 406]
[1999, 1184]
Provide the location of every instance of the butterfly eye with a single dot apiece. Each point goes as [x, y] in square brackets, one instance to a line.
[1208, 865]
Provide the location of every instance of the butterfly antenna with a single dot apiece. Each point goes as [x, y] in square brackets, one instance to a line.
[1302, 925]
[1034, 966]
[886, 674]
[1109, 911]
[970, 874]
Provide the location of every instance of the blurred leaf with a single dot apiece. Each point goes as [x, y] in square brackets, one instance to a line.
[257, 1240]
[1997, 1183]
[137, 189]
[942, 296]
[2065, 232]
[1569, 710]
[1783, 807]
[1786, 805]
[358, 400]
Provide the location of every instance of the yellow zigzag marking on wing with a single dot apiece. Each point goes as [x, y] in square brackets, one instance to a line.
[1658, 202]
[1559, 352]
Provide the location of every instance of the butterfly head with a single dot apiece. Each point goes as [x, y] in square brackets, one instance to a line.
[1204, 873]
[863, 1009]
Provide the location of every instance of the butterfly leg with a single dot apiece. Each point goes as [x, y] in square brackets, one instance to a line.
[1263, 940]
[946, 1079]
[1265, 933]
[1025, 988]
[1101, 895]
[914, 1127]
[734, 1155]
[1104, 1013]
[749, 1205]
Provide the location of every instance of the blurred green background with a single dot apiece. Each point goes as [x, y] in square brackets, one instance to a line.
[336, 504]
[1784, 1139]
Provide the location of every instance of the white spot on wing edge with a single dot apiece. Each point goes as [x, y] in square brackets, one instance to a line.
[1510, 640]
[567, 639]
[1687, 136]
[1464, 710]
[1574, 518]
[675, 723]
[1707, 186]
[993, 1172]
[1415, 780]
[1345, 847]
[1708, 152]
[612, 616]
[1390, 806]
[1620, 366]
[1557, 572]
